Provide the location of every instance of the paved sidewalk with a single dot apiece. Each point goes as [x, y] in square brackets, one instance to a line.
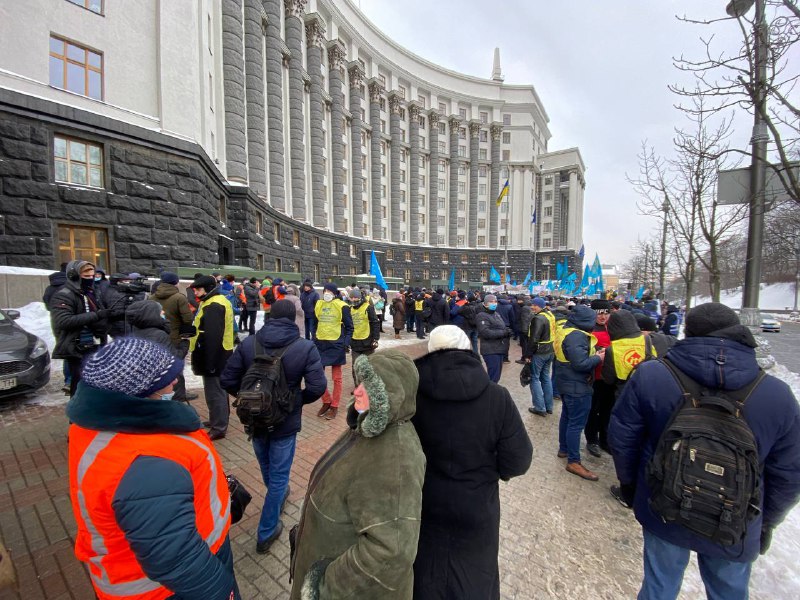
[561, 536]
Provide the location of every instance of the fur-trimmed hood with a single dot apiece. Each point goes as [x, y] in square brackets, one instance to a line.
[391, 380]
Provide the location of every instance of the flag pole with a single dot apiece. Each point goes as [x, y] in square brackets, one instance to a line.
[505, 246]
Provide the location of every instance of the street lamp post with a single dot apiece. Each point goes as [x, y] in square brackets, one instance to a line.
[755, 228]
[662, 267]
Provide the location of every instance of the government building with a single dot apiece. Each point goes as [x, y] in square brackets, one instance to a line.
[287, 136]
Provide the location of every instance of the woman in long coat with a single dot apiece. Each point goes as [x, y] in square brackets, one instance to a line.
[472, 436]
[398, 314]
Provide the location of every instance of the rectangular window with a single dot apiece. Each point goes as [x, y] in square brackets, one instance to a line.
[502, 240]
[481, 240]
[441, 220]
[296, 238]
[383, 169]
[548, 180]
[459, 240]
[96, 6]
[484, 118]
[482, 154]
[260, 262]
[315, 243]
[335, 270]
[352, 250]
[426, 274]
[484, 275]
[445, 257]
[506, 137]
[334, 247]
[296, 266]
[442, 147]
[401, 91]
[382, 103]
[76, 68]
[442, 166]
[547, 242]
[278, 265]
[482, 172]
[407, 256]
[382, 79]
[421, 100]
[547, 228]
[383, 191]
[421, 121]
[548, 211]
[440, 239]
[402, 156]
[442, 107]
[484, 137]
[462, 112]
[481, 205]
[462, 151]
[85, 243]
[383, 148]
[506, 119]
[259, 223]
[462, 133]
[383, 233]
[316, 273]
[462, 222]
[548, 196]
[464, 259]
[481, 223]
[77, 162]
[442, 128]
[462, 187]
[211, 92]
[484, 258]
[441, 204]
[383, 212]
[276, 230]
[383, 125]
[402, 216]
[403, 113]
[441, 185]
[506, 155]
[462, 169]
[422, 219]
[482, 189]
[426, 257]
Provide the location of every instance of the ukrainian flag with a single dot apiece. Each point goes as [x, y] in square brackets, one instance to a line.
[503, 194]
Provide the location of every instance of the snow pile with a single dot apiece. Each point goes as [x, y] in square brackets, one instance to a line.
[35, 318]
[777, 296]
[6, 270]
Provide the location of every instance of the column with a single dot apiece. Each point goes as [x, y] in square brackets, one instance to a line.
[472, 217]
[356, 191]
[395, 103]
[235, 111]
[297, 153]
[255, 21]
[496, 131]
[315, 32]
[274, 58]
[375, 93]
[413, 174]
[452, 209]
[433, 177]
[336, 55]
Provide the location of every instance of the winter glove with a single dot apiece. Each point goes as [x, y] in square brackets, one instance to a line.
[102, 313]
[766, 539]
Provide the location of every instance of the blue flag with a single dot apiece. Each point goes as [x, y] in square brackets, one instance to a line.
[451, 283]
[375, 269]
[527, 279]
[494, 275]
[581, 252]
[559, 274]
[585, 278]
[597, 269]
[639, 292]
[533, 217]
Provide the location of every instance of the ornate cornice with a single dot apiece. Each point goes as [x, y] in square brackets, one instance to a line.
[433, 118]
[336, 53]
[496, 129]
[356, 73]
[474, 128]
[295, 8]
[375, 90]
[315, 30]
[395, 102]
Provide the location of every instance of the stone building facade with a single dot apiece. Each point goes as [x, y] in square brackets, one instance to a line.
[282, 135]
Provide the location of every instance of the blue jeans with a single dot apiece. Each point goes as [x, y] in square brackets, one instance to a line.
[275, 458]
[541, 384]
[410, 321]
[494, 366]
[664, 564]
[310, 328]
[574, 412]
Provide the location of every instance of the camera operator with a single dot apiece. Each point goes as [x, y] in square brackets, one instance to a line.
[123, 291]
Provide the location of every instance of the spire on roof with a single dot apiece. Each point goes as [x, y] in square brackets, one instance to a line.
[497, 73]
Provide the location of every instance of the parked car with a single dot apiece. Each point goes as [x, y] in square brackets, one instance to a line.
[24, 358]
[770, 323]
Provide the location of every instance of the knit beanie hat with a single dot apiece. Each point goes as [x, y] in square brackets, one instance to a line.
[283, 309]
[331, 287]
[168, 277]
[644, 322]
[705, 319]
[355, 294]
[131, 366]
[539, 301]
[448, 337]
[205, 282]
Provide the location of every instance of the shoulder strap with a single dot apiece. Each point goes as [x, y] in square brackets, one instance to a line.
[695, 389]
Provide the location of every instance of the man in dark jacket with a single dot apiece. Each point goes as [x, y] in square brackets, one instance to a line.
[718, 353]
[308, 300]
[57, 281]
[211, 347]
[147, 487]
[145, 322]
[472, 436]
[252, 300]
[506, 311]
[78, 317]
[410, 310]
[440, 311]
[574, 369]
[671, 321]
[117, 297]
[538, 351]
[494, 336]
[275, 451]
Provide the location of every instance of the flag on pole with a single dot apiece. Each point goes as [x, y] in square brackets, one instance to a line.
[581, 253]
[585, 279]
[597, 269]
[494, 275]
[533, 217]
[558, 270]
[527, 279]
[375, 269]
[451, 283]
[639, 292]
[503, 194]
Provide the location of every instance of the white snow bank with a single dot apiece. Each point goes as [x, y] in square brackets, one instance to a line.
[7, 270]
[776, 296]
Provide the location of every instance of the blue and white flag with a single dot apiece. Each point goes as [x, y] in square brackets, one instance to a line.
[581, 252]
[527, 279]
[375, 269]
[494, 275]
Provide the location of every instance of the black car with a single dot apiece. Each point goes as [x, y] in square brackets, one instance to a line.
[24, 358]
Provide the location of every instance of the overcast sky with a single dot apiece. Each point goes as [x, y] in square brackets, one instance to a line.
[601, 69]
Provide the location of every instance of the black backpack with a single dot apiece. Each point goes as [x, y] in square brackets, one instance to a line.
[704, 473]
[264, 399]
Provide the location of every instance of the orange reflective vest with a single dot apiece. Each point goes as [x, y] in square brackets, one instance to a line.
[97, 462]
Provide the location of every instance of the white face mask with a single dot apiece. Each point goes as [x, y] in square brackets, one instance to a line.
[327, 296]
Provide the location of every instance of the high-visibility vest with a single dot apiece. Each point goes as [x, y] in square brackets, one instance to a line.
[551, 320]
[360, 321]
[418, 305]
[628, 353]
[561, 334]
[227, 334]
[97, 462]
[329, 316]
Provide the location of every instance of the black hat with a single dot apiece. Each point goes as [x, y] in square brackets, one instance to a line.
[168, 277]
[705, 319]
[205, 282]
[283, 309]
[644, 322]
[601, 305]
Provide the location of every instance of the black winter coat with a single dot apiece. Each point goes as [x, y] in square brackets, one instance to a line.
[57, 281]
[440, 311]
[473, 436]
[69, 317]
[144, 321]
[209, 357]
[493, 332]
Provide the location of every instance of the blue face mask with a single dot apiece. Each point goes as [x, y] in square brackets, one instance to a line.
[168, 396]
[492, 306]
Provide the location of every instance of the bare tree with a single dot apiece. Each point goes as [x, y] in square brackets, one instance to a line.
[727, 80]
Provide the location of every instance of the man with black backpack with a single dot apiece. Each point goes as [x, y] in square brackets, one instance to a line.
[270, 403]
[707, 449]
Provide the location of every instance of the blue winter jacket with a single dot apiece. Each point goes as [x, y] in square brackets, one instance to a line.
[154, 501]
[576, 377]
[308, 300]
[772, 412]
[301, 364]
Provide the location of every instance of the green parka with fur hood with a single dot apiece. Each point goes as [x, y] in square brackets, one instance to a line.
[359, 529]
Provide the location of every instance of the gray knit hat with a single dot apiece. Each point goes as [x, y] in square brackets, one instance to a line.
[131, 366]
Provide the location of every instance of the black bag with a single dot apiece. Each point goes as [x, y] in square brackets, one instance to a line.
[427, 311]
[525, 376]
[240, 498]
[264, 399]
[704, 473]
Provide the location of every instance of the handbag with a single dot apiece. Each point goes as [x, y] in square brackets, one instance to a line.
[525, 375]
[240, 498]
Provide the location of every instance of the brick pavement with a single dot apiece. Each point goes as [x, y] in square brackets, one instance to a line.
[561, 537]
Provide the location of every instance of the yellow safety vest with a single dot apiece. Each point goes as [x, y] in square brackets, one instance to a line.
[551, 320]
[561, 334]
[227, 335]
[628, 353]
[360, 321]
[329, 315]
[418, 305]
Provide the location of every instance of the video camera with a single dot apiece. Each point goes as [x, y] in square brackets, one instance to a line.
[132, 287]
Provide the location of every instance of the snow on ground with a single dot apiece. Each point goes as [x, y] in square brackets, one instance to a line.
[6, 270]
[776, 296]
